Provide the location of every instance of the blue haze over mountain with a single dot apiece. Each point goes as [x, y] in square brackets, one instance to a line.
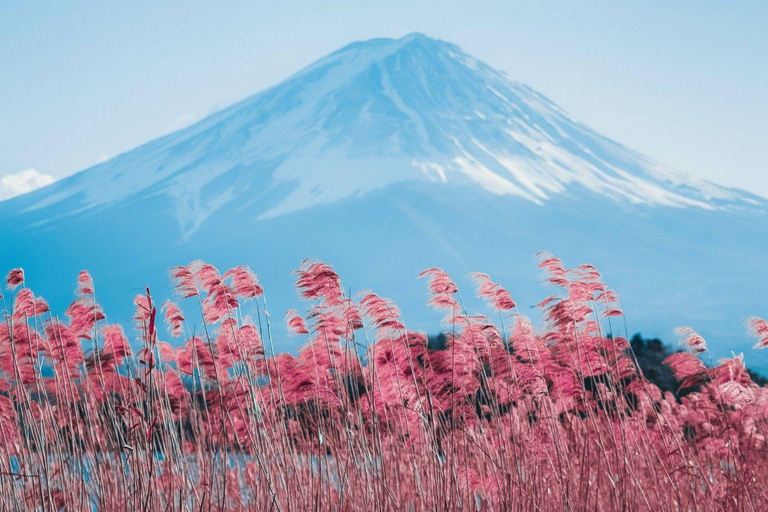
[388, 157]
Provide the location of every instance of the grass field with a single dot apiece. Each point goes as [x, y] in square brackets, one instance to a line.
[367, 415]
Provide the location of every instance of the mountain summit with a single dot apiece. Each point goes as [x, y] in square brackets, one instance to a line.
[391, 155]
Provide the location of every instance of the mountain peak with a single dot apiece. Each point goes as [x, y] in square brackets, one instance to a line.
[417, 39]
[405, 55]
[394, 44]
[416, 36]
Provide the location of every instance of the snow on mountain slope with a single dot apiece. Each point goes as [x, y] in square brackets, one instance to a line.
[376, 113]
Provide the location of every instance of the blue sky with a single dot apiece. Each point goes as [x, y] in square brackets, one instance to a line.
[683, 82]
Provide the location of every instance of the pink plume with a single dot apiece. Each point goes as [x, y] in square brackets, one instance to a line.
[84, 283]
[691, 339]
[220, 304]
[167, 352]
[26, 305]
[174, 317]
[439, 281]
[685, 365]
[246, 284]
[15, 278]
[442, 288]
[318, 280]
[84, 313]
[196, 354]
[184, 282]
[235, 344]
[294, 322]
[498, 296]
[207, 275]
[556, 273]
[115, 342]
[759, 329]
[383, 313]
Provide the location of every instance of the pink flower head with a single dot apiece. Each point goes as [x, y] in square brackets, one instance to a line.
[115, 342]
[207, 275]
[442, 288]
[245, 283]
[691, 339]
[220, 304]
[15, 278]
[84, 314]
[84, 283]
[498, 296]
[294, 322]
[556, 272]
[685, 366]
[174, 317]
[318, 280]
[184, 282]
[383, 313]
[759, 329]
[167, 352]
[196, 355]
[26, 305]
[236, 344]
[440, 282]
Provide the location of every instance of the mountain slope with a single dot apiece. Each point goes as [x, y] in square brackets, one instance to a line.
[389, 156]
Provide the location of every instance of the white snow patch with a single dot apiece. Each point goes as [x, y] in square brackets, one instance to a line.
[22, 182]
[431, 167]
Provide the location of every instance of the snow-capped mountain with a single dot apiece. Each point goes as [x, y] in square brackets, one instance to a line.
[386, 157]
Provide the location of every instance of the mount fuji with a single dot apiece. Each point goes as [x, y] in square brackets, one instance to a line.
[387, 157]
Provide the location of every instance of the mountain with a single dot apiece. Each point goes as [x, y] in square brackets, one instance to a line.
[387, 157]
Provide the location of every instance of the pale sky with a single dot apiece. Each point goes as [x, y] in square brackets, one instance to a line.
[686, 83]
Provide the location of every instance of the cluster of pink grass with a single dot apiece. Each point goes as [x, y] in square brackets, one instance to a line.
[367, 415]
